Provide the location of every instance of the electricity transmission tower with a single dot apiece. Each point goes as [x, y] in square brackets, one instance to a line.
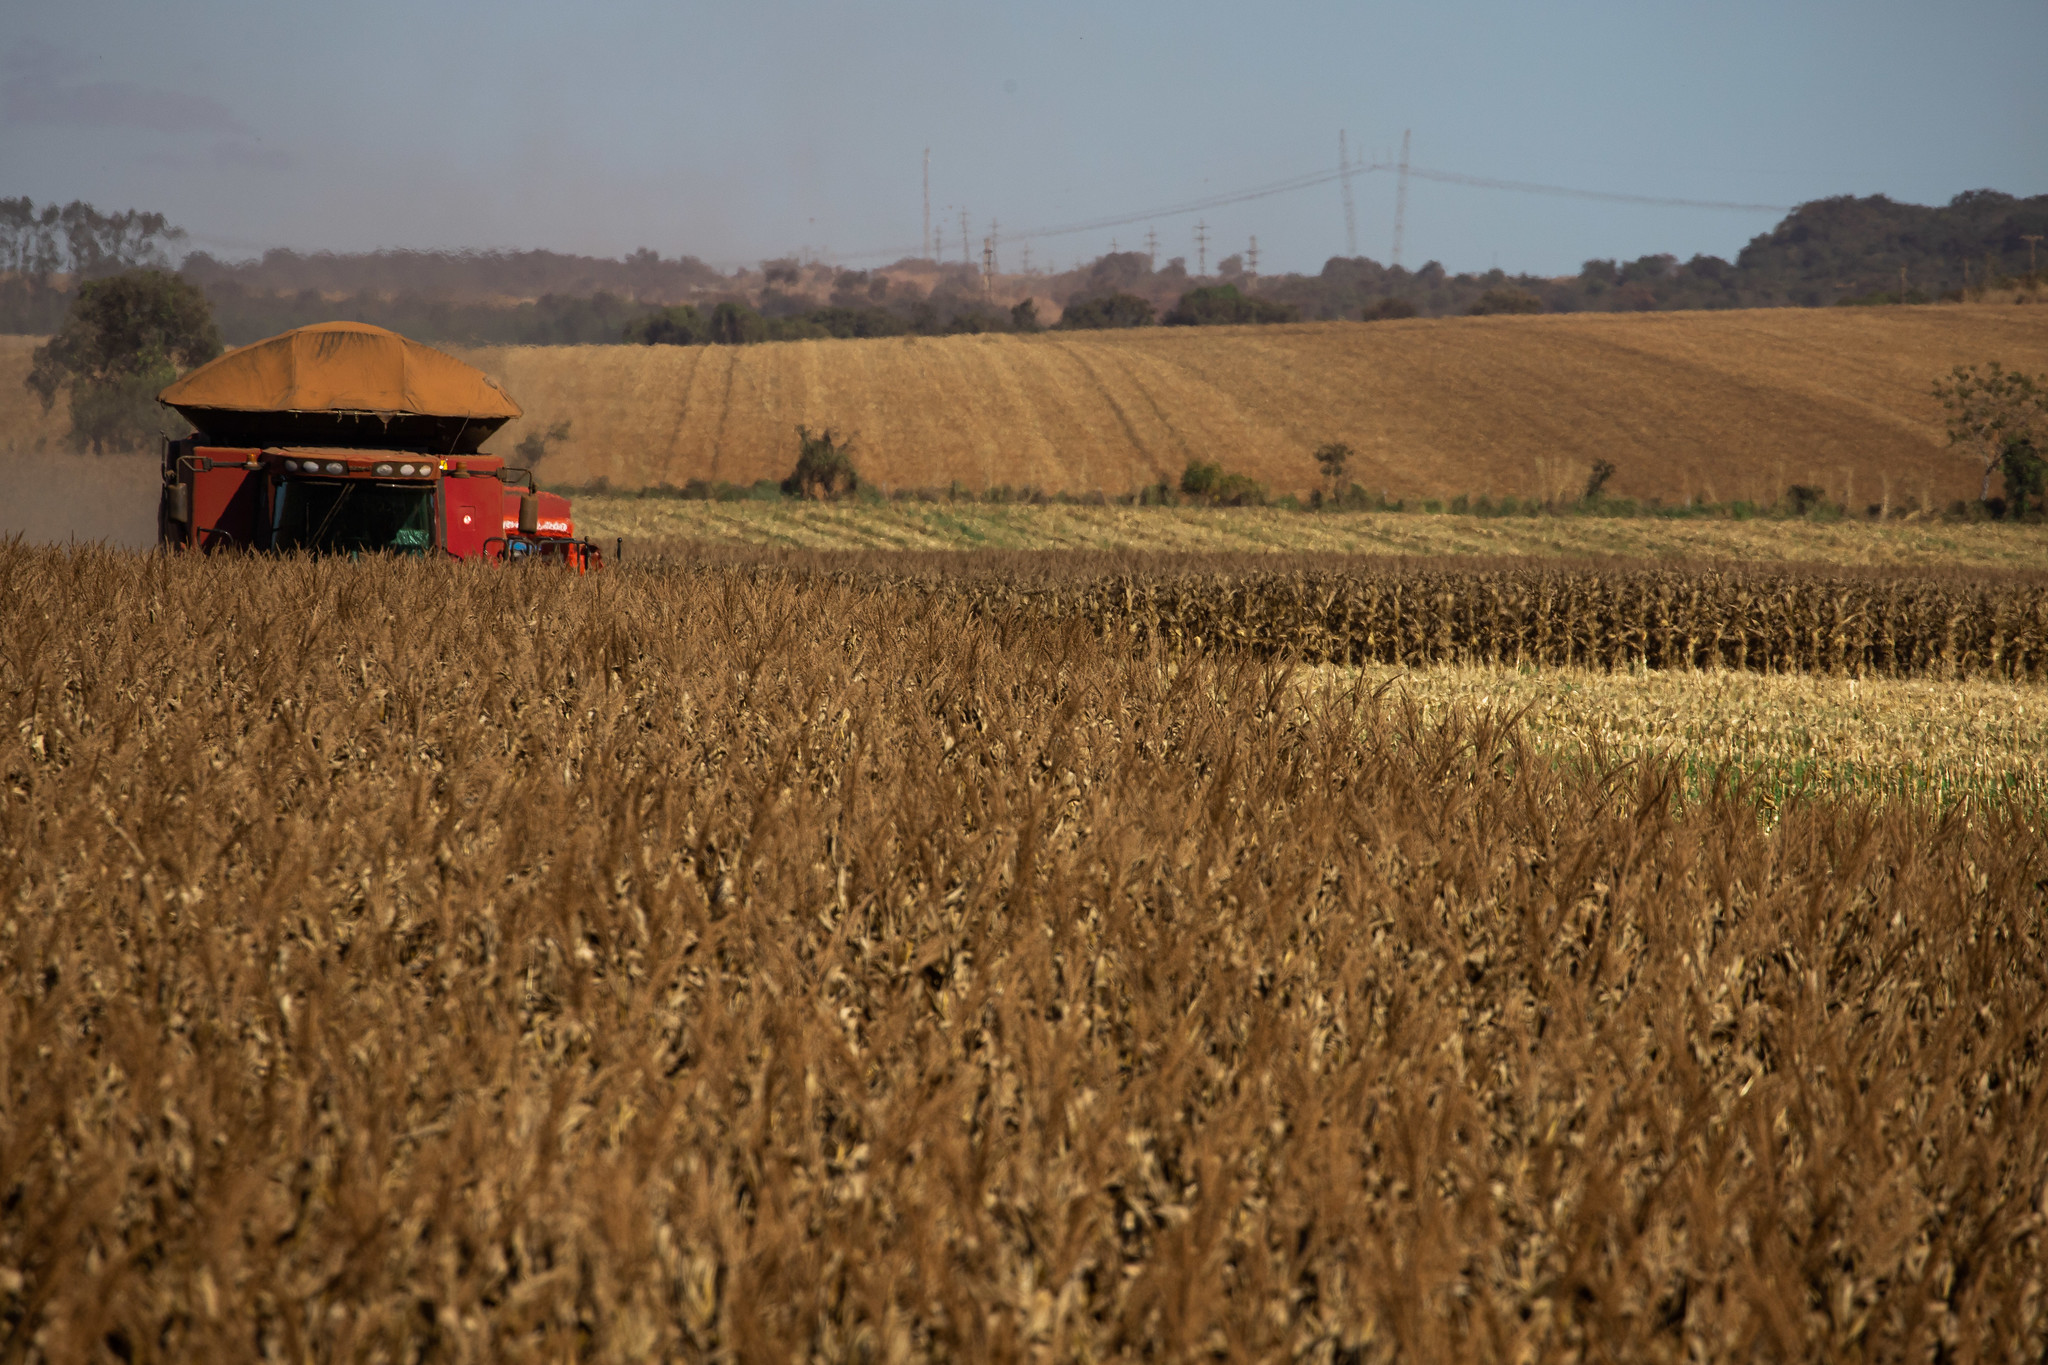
[2032, 239]
[1151, 249]
[1251, 257]
[925, 242]
[1202, 249]
[1350, 209]
[988, 268]
[965, 258]
[1027, 258]
[1401, 198]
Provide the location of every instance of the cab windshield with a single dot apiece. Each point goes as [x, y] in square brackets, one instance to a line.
[353, 515]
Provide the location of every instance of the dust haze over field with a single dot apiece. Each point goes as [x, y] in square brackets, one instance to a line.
[1730, 405]
[53, 494]
[56, 497]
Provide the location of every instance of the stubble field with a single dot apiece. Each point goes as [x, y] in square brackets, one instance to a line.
[718, 959]
[663, 524]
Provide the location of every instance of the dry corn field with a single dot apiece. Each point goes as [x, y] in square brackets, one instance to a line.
[1726, 406]
[1422, 612]
[410, 961]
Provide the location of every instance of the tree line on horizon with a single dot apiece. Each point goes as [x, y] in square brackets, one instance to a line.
[1831, 251]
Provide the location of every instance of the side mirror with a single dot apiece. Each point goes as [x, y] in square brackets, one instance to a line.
[529, 513]
[178, 503]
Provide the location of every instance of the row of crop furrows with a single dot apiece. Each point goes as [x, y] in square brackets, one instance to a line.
[1761, 622]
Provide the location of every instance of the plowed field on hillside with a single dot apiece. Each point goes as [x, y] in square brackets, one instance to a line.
[1726, 405]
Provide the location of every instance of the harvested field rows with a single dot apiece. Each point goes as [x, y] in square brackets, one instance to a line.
[975, 526]
[405, 959]
[1728, 406]
[1877, 739]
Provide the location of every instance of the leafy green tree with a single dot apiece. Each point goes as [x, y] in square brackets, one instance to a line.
[1506, 299]
[1388, 310]
[1238, 490]
[1806, 498]
[2026, 476]
[126, 338]
[1596, 479]
[1222, 305]
[735, 324]
[858, 322]
[1992, 409]
[824, 467]
[682, 325]
[974, 321]
[1107, 311]
[1024, 317]
[1207, 481]
[80, 241]
[1334, 459]
[799, 327]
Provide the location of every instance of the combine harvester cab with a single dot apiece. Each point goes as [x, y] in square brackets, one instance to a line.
[345, 438]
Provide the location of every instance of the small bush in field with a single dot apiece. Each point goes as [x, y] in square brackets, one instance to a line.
[824, 467]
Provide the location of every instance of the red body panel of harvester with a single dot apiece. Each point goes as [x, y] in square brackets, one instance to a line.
[227, 503]
[470, 515]
[350, 501]
[551, 514]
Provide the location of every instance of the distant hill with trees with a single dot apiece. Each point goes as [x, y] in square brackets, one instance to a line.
[47, 252]
[459, 275]
[1839, 250]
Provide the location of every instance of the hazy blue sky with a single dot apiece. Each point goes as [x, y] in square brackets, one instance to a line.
[738, 132]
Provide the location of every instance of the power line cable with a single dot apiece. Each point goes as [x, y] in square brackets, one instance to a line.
[1606, 196]
[1312, 179]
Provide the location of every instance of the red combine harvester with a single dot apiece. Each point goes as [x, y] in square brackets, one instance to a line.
[345, 438]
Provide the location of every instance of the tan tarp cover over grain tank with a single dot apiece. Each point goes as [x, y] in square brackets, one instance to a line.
[362, 384]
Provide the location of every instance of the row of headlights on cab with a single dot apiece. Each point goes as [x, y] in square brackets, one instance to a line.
[384, 470]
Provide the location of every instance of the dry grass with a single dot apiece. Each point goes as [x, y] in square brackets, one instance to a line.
[978, 526]
[410, 960]
[1735, 405]
[1892, 739]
